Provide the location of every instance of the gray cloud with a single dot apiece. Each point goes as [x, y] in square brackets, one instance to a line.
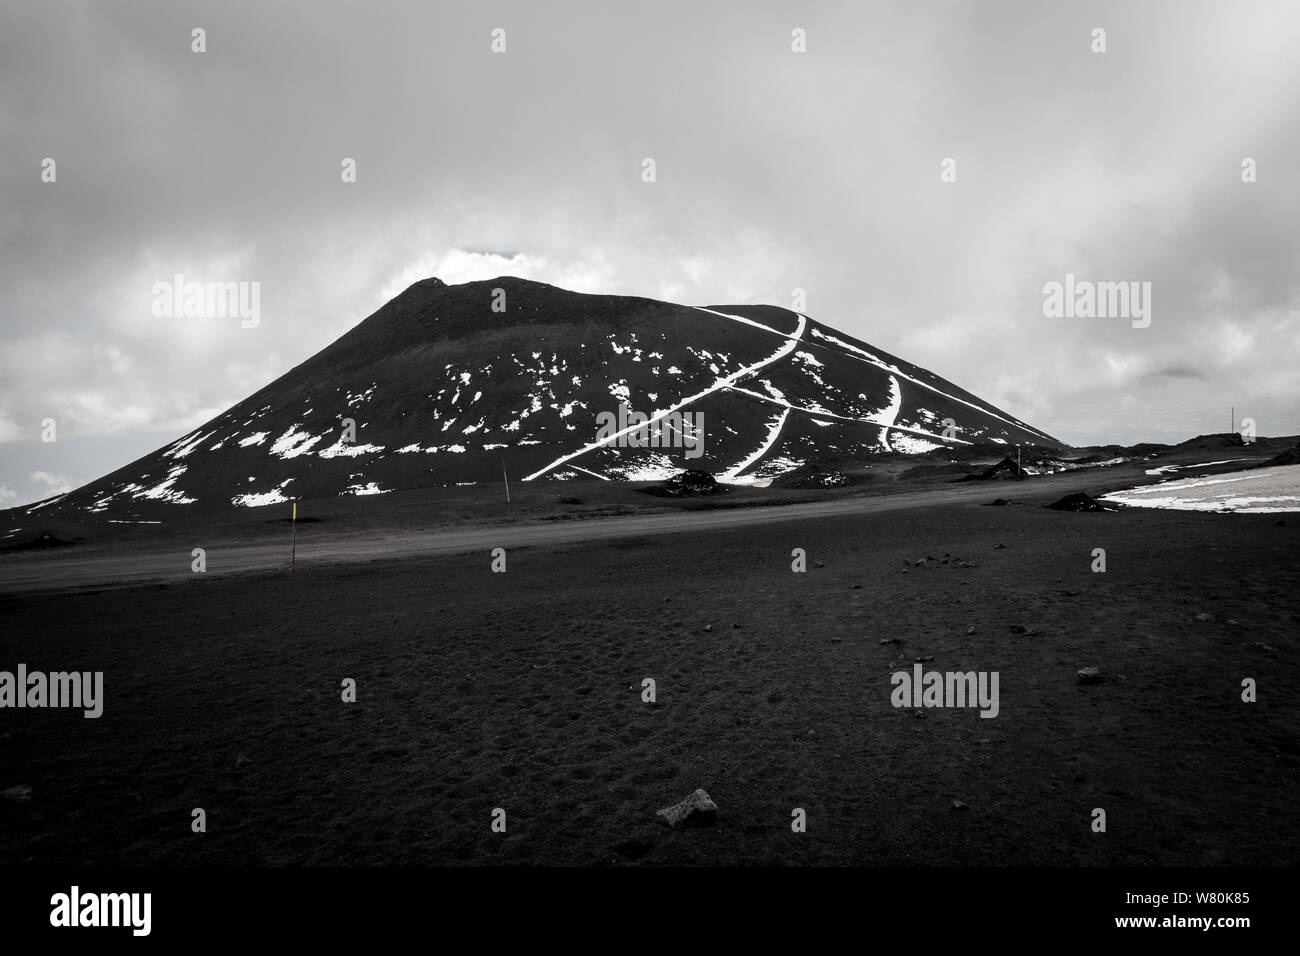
[775, 171]
[1173, 371]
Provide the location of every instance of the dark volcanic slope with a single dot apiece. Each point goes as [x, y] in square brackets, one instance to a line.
[443, 389]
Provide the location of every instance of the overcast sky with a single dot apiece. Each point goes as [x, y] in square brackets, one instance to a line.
[775, 170]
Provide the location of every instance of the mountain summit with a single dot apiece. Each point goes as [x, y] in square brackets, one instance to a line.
[445, 382]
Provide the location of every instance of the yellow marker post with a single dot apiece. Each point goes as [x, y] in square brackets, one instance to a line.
[293, 555]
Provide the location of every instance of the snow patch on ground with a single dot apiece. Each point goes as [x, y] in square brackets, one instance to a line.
[370, 488]
[1266, 491]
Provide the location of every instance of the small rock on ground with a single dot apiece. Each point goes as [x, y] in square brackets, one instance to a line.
[697, 810]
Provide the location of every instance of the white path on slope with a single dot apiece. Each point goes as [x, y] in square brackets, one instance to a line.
[720, 384]
[891, 410]
[46, 503]
[590, 472]
[845, 418]
[741, 318]
[732, 473]
[879, 363]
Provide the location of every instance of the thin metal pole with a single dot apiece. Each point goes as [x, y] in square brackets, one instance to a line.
[506, 479]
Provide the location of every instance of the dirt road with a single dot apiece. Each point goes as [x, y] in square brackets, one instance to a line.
[136, 563]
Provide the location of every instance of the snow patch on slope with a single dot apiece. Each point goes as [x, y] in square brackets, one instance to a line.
[342, 449]
[293, 443]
